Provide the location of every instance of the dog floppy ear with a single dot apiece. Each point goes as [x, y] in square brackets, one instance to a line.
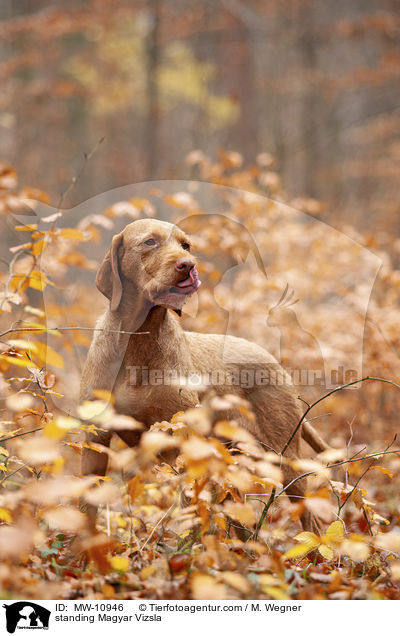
[108, 279]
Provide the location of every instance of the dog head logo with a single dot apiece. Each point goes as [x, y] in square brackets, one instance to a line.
[26, 615]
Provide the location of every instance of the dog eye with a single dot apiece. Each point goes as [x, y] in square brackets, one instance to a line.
[150, 241]
[186, 246]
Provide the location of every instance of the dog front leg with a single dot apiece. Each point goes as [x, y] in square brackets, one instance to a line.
[94, 463]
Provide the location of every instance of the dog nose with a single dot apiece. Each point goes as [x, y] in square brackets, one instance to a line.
[184, 265]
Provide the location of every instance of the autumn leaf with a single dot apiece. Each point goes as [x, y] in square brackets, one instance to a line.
[71, 234]
[326, 544]
[204, 587]
[135, 487]
[120, 564]
[66, 518]
[243, 513]
[384, 471]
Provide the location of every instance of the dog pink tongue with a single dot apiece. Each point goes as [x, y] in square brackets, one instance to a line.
[192, 279]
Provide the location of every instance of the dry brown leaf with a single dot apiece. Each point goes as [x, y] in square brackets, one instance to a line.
[244, 513]
[106, 493]
[66, 518]
[204, 587]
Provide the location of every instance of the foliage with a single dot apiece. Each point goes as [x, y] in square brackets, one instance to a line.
[214, 522]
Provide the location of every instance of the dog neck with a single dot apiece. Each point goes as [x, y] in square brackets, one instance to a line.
[159, 343]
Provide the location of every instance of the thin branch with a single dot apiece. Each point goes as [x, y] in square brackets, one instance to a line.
[346, 461]
[348, 446]
[389, 344]
[264, 513]
[86, 158]
[363, 474]
[11, 274]
[13, 473]
[49, 329]
[338, 388]
[5, 439]
[156, 526]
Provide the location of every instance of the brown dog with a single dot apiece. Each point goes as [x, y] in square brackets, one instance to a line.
[148, 272]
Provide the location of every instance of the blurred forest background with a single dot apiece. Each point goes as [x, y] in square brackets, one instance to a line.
[316, 84]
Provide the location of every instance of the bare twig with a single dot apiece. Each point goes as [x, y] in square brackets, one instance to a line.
[5, 439]
[86, 158]
[264, 513]
[11, 274]
[156, 526]
[345, 461]
[362, 475]
[348, 446]
[338, 388]
[389, 344]
[47, 329]
[13, 473]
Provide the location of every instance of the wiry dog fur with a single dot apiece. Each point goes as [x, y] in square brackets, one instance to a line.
[140, 276]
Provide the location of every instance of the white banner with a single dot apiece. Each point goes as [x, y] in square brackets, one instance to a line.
[166, 617]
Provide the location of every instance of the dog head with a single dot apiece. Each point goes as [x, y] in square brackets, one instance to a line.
[150, 258]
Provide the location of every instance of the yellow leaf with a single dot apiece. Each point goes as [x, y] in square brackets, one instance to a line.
[19, 282]
[47, 355]
[119, 563]
[326, 552]
[71, 233]
[148, 571]
[335, 532]
[38, 247]
[178, 417]
[26, 228]
[19, 362]
[22, 344]
[276, 592]
[37, 280]
[52, 430]
[384, 471]
[309, 538]
[104, 395]
[298, 551]
[268, 579]
[197, 469]
[5, 515]
[58, 428]
[121, 522]
[140, 202]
